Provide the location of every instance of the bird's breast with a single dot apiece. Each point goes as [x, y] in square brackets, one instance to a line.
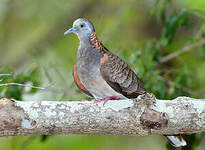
[88, 61]
[88, 68]
[92, 80]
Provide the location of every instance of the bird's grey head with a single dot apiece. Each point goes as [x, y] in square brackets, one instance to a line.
[83, 28]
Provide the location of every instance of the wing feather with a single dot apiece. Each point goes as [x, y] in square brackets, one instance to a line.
[120, 76]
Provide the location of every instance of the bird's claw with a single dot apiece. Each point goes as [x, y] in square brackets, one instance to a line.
[84, 100]
[105, 100]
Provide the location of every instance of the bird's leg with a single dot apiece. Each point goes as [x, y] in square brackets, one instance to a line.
[84, 100]
[105, 100]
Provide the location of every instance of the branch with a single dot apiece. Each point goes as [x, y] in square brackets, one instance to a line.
[123, 117]
[182, 51]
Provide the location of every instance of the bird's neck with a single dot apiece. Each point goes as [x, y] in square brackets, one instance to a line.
[88, 56]
[87, 51]
[85, 48]
[91, 46]
[88, 38]
[84, 39]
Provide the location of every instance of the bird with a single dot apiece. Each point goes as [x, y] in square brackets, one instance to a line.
[103, 75]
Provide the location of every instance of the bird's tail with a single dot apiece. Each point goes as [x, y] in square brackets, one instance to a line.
[176, 141]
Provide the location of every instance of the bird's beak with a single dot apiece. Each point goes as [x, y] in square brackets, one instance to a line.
[71, 30]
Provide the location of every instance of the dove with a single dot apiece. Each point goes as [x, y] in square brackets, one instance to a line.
[103, 75]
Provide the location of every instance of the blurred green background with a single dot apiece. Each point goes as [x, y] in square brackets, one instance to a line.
[34, 51]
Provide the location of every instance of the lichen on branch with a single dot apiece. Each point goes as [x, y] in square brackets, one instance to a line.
[141, 116]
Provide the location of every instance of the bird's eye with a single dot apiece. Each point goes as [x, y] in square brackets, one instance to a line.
[82, 25]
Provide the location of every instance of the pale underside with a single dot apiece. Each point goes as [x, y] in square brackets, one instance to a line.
[99, 88]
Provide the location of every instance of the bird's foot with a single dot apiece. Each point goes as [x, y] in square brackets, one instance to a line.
[105, 100]
[84, 100]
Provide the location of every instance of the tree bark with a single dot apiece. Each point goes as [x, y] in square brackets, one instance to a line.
[142, 116]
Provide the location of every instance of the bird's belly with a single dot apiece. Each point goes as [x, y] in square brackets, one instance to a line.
[99, 88]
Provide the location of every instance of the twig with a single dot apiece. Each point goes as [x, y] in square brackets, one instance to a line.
[5, 74]
[182, 51]
[24, 85]
[49, 87]
[170, 83]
